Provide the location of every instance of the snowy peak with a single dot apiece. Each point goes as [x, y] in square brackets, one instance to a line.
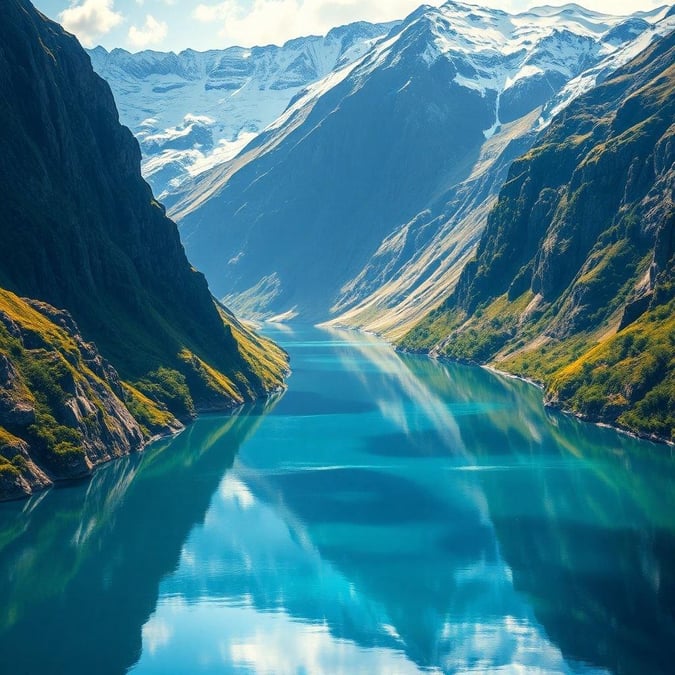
[573, 9]
[193, 110]
[519, 59]
[196, 110]
[372, 187]
[456, 29]
[571, 12]
[297, 62]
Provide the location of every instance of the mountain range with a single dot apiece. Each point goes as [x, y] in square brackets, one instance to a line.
[193, 110]
[108, 336]
[363, 204]
[363, 201]
[473, 184]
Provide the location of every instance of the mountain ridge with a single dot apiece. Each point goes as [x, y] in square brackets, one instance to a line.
[572, 283]
[194, 109]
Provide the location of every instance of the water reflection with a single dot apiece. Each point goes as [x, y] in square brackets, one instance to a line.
[393, 539]
[80, 567]
[389, 515]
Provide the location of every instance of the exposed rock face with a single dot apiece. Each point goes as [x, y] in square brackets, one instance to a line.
[573, 279]
[81, 230]
[16, 409]
[17, 485]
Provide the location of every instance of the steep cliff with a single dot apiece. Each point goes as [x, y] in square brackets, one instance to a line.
[82, 231]
[573, 281]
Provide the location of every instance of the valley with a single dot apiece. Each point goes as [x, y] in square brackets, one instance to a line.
[270, 321]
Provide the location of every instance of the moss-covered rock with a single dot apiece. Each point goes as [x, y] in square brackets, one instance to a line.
[63, 409]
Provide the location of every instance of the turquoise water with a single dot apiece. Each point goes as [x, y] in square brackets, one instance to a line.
[387, 514]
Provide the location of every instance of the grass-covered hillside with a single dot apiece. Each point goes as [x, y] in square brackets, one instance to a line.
[573, 283]
[81, 231]
[63, 408]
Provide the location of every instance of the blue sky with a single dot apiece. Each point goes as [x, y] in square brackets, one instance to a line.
[210, 24]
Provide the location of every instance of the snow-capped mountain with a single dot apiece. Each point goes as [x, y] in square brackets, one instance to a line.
[193, 110]
[365, 197]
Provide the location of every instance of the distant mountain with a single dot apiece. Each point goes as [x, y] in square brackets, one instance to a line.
[82, 231]
[363, 201]
[573, 283]
[193, 110]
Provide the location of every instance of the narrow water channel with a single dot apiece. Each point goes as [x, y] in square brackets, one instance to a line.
[387, 514]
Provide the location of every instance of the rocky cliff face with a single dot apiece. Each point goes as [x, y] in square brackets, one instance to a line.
[573, 279]
[81, 230]
[63, 407]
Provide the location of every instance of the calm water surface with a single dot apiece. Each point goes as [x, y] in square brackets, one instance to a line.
[387, 514]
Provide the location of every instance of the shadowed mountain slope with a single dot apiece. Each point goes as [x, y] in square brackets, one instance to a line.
[364, 200]
[82, 231]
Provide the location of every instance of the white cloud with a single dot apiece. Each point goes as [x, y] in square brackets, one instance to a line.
[156, 634]
[253, 22]
[90, 19]
[151, 33]
[275, 21]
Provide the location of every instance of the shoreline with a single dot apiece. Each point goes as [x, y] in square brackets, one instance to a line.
[652, 438]
[40, 491]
